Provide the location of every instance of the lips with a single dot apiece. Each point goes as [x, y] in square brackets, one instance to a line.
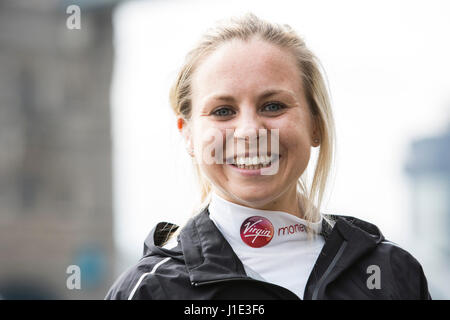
[256, 170]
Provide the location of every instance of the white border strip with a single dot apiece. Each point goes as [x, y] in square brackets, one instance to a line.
[392, 243]
[143, 276]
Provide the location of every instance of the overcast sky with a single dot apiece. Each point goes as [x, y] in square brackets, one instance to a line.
[388, 71]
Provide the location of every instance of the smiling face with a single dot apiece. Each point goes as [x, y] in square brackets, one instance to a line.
[243, 87]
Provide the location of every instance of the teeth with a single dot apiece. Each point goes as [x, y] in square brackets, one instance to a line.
[252, 162]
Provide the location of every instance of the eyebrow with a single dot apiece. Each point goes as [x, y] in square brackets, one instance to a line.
[265, 94]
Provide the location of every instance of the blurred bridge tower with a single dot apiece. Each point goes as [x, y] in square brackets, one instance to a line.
[55, 149]
[428, 168]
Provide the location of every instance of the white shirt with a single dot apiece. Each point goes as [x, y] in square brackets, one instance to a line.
[272, 245]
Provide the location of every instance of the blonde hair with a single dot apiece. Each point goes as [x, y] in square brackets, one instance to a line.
[283, 36]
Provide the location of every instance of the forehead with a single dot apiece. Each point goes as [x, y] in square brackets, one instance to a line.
[239, 67]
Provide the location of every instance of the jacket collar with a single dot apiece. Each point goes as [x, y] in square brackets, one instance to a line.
[346, 242]
[157, 238]
[209, 257]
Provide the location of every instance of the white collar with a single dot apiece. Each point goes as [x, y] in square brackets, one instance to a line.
[256, 229]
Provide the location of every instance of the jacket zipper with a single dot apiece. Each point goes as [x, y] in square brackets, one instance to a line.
[327, 272]
[316, 288]
[198, 284]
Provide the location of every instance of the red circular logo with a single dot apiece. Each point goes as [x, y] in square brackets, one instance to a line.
[256, 231]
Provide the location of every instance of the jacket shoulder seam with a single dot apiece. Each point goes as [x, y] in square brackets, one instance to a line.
[144, 275]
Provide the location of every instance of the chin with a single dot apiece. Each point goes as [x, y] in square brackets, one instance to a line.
[252, 196]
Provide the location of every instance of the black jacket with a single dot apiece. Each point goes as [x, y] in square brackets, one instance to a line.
[204, 266]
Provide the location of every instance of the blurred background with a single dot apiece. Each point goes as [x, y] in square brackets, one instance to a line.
[91, 160]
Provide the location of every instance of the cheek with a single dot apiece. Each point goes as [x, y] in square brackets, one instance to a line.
[295, 140]
[293, 133]
[298, 154]
[207, 149]
[209, 144]
[295, 144]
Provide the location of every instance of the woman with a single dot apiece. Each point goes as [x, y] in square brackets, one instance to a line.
[259, 233]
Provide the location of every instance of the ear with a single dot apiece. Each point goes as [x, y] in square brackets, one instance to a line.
[185, 131]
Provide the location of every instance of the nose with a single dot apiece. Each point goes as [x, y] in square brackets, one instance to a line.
[247, 129]
[248, 124]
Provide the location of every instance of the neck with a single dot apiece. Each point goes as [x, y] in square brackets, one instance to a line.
[288, 201]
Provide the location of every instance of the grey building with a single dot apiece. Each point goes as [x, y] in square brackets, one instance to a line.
[55, 149]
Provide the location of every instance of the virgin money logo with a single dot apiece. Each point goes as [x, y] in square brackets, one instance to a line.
[256, 231]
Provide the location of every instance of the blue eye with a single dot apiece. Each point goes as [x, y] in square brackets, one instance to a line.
[271, 107]
[222, 112]
[278, 106]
